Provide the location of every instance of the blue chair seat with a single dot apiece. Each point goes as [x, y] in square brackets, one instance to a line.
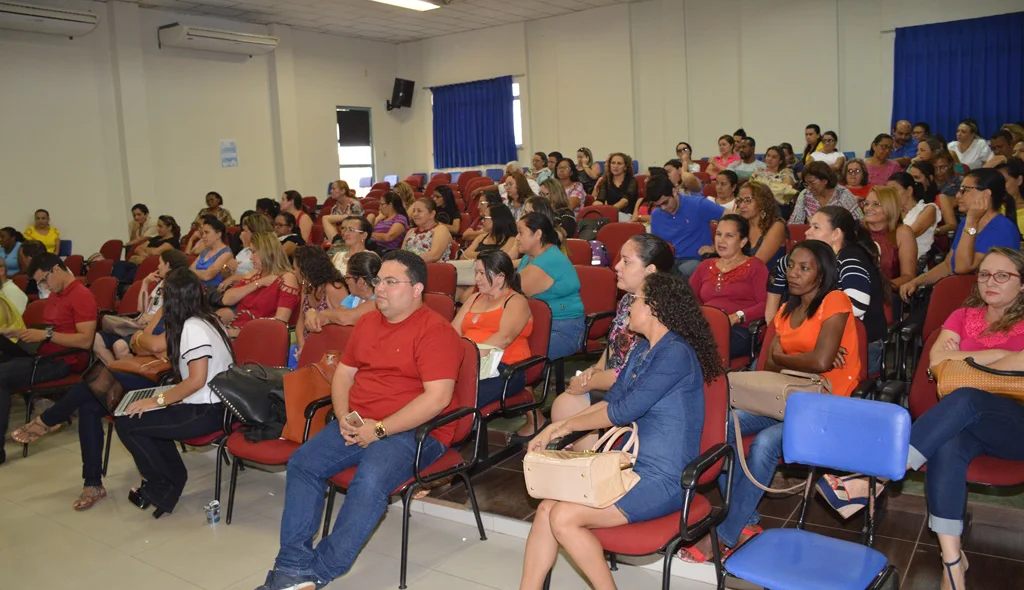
[800, 560]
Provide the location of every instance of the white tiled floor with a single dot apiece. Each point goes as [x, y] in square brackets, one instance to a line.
[45, 544]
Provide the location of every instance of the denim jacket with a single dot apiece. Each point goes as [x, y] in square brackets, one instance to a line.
[662, 390]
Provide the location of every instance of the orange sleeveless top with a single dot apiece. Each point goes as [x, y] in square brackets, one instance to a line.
[479, 326]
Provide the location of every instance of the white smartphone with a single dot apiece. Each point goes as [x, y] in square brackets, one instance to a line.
[354, 420]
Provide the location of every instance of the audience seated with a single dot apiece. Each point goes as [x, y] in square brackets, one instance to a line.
[392, 223]
[118, 333]
[213, 254]
[321, 284]
[360, 281]
[497, 315]
[539, 171]
[543, 206]
[779, 177]
[796, 164]
[168, 236]
[516, 189]
[1013, 172]
[920, 131]
[685, 155]
[726, 156]
[661, 388]
[683, 221]
[448, 213]
[971, 150]
[617, 187]
[822, 190]
[981, 198]
[829, 153]
[928, 148]
[920, 213]
[924, 174]
[141, 228]
[747, 164]
[214, 207]
[897, 245]
[41, 231]
[859, 274]
[904, 146]
[587, 169]
[568, 178]
[29, 250]
[726, 186]
[10, 244]
[427, 239]
[353, 237]
[291, 203]
[1018, 149]
[268, 208]
[269, 291]
[733, 281]
[565, 218]
[488, 197]
[71, 314]
[855, 178]
[15, 296]
[768, 232]
[241, 264]
[1001, 144]
[878, 164]
[815, 333]
[946, 176]
[400, 375]
[684, 183]
[553, 158]
[344, 204]
[969, 422]
[812, 142]
[285, 229]
[498, 233]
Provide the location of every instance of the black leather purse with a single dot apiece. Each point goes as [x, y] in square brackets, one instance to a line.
[250, 392]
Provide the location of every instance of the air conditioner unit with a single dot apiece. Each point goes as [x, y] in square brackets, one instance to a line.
[52, 21]
[189, 37]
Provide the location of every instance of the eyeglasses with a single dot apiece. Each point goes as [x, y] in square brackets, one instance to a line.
[386, 281]
[964, 188]
[45, 277]
[744, 200]
[349, 230]
[683, 149]
[1000, 276]
[854, 171]
[867, 204]
[828, 140]
[811, 180]
[276, 224]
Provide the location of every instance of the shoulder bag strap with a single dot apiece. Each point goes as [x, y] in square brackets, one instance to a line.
[746, 470]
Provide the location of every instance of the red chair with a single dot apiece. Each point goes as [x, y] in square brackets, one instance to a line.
[309, 205]
[798, 232]
[104, 289]
[476, 183]
[641, 186]
[615, 235]
[98, 269]
[441, 303]
[381, 186]
[537, 369]
[703, 164]
[33, 315]
[185, 238]
[148, 265]
[129, 304]
[668, 533]
[441, 176]
[374, 194]
[450, 465]
[709, 190]
[588, 200]
[579, 252]
[599, 299]
[464, 223]
[946, 296]
[441, 278]
[464, 179]
[718, 321]
[263, 341]
[432, 186]
[74, 263]
[111, 250]
[703, 177]
[414, 180]
[371, 206]
[21, 281]
[607, 211]
[316, 236]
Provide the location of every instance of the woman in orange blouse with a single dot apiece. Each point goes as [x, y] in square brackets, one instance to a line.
[498, 315]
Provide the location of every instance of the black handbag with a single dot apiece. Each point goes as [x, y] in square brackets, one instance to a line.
[248, 390]
[589, 226]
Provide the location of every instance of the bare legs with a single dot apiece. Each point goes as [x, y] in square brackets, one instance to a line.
[567, 405]
[953, 576]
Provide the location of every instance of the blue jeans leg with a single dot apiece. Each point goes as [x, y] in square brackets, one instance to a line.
[762, 461]
[566, 337]
[686, 266]
[875, 352]
[383, 466]
[965, 424]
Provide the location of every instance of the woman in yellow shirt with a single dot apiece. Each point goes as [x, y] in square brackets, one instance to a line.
[44, 232]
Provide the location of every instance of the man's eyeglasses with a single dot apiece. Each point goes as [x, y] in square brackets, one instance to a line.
[999, 276]
[386, 281]
[45, 278]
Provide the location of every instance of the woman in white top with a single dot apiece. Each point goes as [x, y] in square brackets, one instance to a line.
[199, 350]
[685, 154]
[919, 216]
[973, 151]
[830, 153]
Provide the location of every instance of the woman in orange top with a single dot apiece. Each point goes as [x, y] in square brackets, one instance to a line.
[815, 333]
[497, 315]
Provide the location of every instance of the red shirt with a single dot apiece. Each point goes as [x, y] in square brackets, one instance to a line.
[742, 288]
[74, 305]
[395, 360]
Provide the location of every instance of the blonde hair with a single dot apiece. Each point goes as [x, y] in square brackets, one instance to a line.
[272, 258]
[556, 194]
[890, 200]
[404, 190]
[1017, 131]
[258, 224]
[342, 186]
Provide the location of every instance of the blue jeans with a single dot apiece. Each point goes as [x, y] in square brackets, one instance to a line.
[686, 266]
[383, 466]
[762, 461]
[566, 337]
[965, 424]
[875, 352]
[489, 390]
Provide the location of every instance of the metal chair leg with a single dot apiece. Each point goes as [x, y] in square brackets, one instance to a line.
[28, 418]
[406, 500]
[327, 512]
[613, 562]
[106, 450]
[547, 581]
[231, 487]
[472, 502]
[716, 551]
[221, 452]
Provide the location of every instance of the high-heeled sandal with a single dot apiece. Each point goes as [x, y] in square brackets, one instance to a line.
[949, 569]
[139, 498]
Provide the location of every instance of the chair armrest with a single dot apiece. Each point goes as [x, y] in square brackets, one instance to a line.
[892, 391]
[424, 429]
[521, 366]
[689, 481]
[910, 330]
[865, 389]
[697, 467]
[590, 320]
[755, 327]
[311, 409]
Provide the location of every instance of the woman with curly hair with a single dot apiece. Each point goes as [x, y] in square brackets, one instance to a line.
[320, 283]
[661, 388]
[768, 232]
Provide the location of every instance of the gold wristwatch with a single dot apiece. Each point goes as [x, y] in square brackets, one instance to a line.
[379, 431]
[161, 401]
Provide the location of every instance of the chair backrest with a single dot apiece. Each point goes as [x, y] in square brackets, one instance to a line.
[316, 236]
[435, 182]
[371, 206]
[309, 205]
[615, 235]
[112, 249]
[845, 433]
[947, 296]
[381, 186]
[539, 339]
[769, 335]
[579, 252]
[441, 303]
[607, 211]
[797, 231]
[100, 268]
[104, 289]
[263, 341]
[703, 177]
[466, 384]
[464, 179]
[129, 302]
[641, 186]
[598, 295]
[66, 248]
[709, 190]
[441, 278]
[332, 337]
[923, 392]
[376, 194]
[148, 265]
[325, 209]
[719, 323]
[414, 180]
[21, 280]
[34, 312]
[716, 411]
[75, 263]
[439, 176]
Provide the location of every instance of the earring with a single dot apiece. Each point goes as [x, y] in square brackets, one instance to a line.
[763, 215]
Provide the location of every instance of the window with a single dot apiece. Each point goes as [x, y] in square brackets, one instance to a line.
[517, 115]
[355, 149]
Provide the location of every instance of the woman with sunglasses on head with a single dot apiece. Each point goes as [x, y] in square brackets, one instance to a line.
[990, 220]
[768, 230]
[587, 169]
[351, 238]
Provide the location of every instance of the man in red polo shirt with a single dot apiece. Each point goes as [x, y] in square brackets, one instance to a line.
[398, 372]
[71, 314]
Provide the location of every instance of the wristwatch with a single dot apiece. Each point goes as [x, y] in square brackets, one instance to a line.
[49, 333]
[740, 316]
[971, 231]
[161, 400]
[379, 431]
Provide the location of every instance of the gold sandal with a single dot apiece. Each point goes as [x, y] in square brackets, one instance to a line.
[33, 431]
[89, 496]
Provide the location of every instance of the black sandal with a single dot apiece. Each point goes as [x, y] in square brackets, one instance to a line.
[521, 439]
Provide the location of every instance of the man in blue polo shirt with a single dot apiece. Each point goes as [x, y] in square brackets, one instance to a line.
[683, 221]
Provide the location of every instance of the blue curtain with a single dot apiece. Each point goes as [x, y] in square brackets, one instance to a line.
[473, 123]
[950, 71]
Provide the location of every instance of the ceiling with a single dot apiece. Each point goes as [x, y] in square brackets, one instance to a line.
[372, 20]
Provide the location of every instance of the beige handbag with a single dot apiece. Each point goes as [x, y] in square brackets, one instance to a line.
[764, 393]
[595, 478]
[954, 374]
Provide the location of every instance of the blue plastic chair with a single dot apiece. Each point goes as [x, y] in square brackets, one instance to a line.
[845, 434]
[495, 174]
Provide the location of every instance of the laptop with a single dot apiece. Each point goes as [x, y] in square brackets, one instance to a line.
[138, 394]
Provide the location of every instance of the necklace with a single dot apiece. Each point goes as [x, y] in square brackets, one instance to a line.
[722, 271]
